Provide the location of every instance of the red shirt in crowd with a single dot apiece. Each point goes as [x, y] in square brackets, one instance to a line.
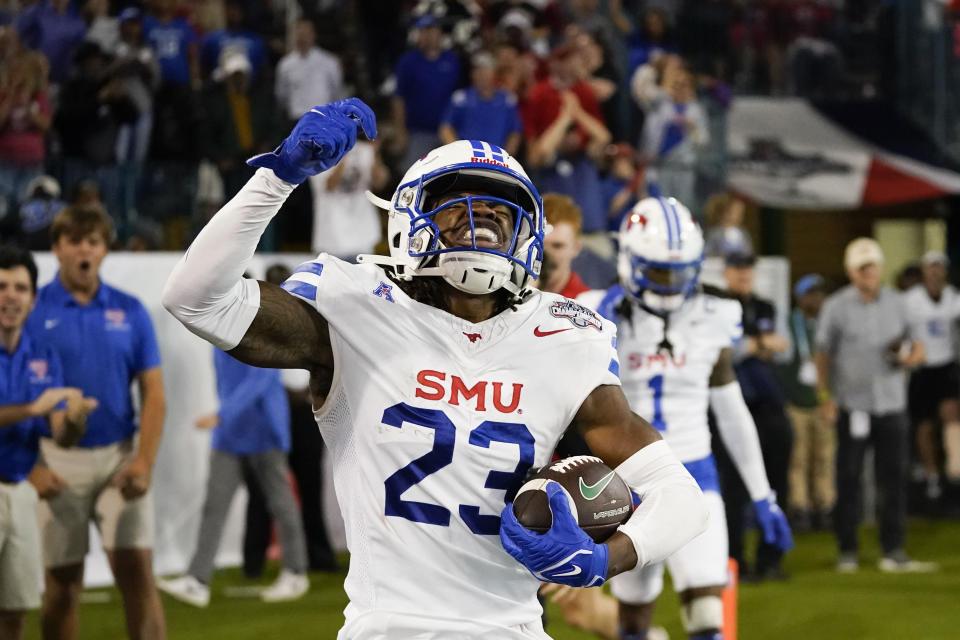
[20, 143]
[543, 107]
[574, 287]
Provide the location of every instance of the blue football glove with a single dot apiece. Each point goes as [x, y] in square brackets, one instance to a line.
[565, 554]
[773, 524]
[321, 137]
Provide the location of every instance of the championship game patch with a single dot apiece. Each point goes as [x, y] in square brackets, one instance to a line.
[578, 315]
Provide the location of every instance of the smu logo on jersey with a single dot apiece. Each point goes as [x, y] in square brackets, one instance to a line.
[434, 385]
[116, 319]
[656, 361]
[580, 316]
[39, 371]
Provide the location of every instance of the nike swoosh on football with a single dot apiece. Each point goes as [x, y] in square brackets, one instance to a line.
[591, 491]
[541, 334]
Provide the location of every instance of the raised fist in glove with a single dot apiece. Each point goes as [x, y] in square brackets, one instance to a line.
[773, 523]
[565, 554]
[321, 137]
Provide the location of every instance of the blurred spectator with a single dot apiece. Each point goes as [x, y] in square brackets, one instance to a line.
[910, 276]
[307, 76]
[343, 188]
[623, 184]
[94, 105]
[674, 131]
[753, 362]
[864, 345]
[565, 134]
[175, 43]
[251, 429]
[169, 187]
[516, 70]
[597, 70]
[458, 18]
[561, 246]
[135, 65]
[811, 476]
[31, 407]
[726, 235]
[426, 77]
[934, 399]
[814, 63]
[37, 212]
[107, 343]
[25, 116]
[234, 38]
[306, 460]
[650, 40]
[102, 28]
[55, 29]
[240, 119]
[483, 112]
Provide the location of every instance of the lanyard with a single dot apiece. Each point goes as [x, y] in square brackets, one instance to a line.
[800, 332]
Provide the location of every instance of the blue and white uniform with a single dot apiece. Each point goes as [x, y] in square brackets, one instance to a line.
[431, 422]
[672, 392]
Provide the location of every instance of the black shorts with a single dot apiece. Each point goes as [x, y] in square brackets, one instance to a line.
[929, 386]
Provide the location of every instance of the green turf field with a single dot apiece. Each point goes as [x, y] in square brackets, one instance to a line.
[815, 603]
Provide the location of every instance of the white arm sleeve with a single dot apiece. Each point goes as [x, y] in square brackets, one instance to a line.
[672, 512]
[739, 434]
[206, 290]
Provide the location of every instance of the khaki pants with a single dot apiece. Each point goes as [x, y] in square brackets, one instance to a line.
[812, 463]
[65, 519]
[21, 573]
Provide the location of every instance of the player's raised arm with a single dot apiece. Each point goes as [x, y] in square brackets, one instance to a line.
[259, 323]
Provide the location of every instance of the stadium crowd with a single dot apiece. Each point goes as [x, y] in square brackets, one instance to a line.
[131, 122]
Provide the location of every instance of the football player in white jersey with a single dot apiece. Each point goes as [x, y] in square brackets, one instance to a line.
[439, 378]
[675, 359]
[933, 307]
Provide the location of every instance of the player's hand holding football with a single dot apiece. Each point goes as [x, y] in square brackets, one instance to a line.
[319, 140]
[773, 523]
[565, 554]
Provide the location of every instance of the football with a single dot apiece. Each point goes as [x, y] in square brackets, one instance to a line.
[599, 499]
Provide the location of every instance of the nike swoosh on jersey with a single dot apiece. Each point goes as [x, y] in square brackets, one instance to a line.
[591, 491]
[542, 334]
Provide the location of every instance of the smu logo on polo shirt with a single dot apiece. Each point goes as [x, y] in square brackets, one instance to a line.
[116, 320]
[39, 371]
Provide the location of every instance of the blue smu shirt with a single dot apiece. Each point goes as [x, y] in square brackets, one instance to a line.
[170, 41]
[491, 120]
[103, 346]
[426, 86]
[214, 43]
[254, 410]
[24, 374]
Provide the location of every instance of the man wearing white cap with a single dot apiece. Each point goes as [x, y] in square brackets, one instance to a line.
[863, 347]
[933, 306]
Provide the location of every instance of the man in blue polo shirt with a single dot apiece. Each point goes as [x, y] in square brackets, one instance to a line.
[105, 340]
[252, 432]
[426, 78]
[483, 112]
[33, 403]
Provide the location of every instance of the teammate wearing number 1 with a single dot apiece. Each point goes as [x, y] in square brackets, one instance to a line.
[439, 377]
[675, 344]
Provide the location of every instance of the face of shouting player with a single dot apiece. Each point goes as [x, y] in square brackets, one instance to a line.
[492, 222]
[80, 257]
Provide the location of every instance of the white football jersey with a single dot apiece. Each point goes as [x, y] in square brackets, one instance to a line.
[672, 391]
[430, 421]
[931, 322]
